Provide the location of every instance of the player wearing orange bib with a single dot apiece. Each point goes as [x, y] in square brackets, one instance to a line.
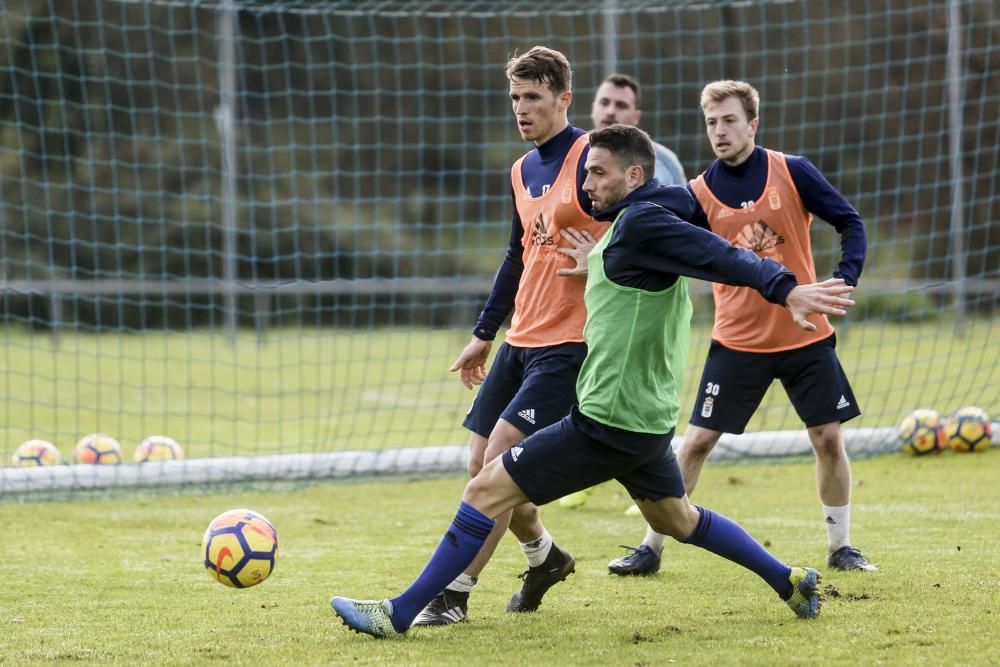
[532, 382]
[764, 201]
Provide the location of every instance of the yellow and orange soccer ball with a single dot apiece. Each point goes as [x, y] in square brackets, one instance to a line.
[97, 449]
[36, 453]
[925, 432]
[158, 448]
[239, 548]
[922, 432]
[968, 430]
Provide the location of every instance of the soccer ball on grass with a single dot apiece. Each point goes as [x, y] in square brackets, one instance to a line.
[968, 430]
[36, 453]
[922, 432]
[98, 449]
[158, 448]
[239, 548]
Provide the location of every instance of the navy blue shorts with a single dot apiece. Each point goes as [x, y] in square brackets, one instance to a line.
[577, 453]
[530, 387]
[734, 383]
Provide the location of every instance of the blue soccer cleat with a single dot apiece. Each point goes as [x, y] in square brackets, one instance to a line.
[806, 598]
[642, 562]
[849, 558]
[371, 617]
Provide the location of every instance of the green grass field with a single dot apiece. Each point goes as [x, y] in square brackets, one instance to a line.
[332, 389]
[121, 581]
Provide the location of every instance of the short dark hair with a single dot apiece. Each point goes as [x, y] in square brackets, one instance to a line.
[629, 145]
[544, 66]
[624, 81]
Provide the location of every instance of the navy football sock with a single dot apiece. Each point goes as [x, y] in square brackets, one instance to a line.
[460, 545]
[724, 537]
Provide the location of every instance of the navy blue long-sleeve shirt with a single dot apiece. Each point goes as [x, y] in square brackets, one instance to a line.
[652, 244]
[539, 170]
[745, 183]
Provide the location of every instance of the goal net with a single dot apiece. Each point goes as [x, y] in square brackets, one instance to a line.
[266, 229]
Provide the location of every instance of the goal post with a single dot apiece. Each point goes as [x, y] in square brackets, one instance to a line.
[266, 228]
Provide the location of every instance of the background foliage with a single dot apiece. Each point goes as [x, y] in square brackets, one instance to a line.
[374, 139]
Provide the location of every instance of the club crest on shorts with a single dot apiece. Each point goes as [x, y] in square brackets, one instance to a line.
[706, 407]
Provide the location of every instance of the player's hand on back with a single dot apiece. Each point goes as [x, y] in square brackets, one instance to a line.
[830, 297]
[581, 243]
[472, 362]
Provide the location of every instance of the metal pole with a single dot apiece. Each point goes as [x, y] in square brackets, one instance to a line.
[610, 37]
[55, 317]
[227, 130]
[957, 226]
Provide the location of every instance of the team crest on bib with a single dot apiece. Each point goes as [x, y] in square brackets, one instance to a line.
[567, 193]
[774, 199]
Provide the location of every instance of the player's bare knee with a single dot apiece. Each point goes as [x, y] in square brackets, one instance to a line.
[826, 441]
[478, 492]
[698, 443]
[524, 515]
[476, 461]
[477, 454]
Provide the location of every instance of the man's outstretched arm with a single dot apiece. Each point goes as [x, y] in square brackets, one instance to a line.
[651, 247]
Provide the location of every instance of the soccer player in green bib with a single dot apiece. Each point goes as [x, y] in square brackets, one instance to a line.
[637, 331]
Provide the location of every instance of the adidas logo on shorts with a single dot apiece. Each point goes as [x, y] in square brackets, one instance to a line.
[843, 403]
[527, 415]
[515, 451]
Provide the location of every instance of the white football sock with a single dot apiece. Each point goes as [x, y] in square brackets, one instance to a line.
[463, 583]
[537, 550]
[654, 540]
[838, 526]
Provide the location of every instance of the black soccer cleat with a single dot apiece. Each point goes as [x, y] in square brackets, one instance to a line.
[558, 565]
[447, 608]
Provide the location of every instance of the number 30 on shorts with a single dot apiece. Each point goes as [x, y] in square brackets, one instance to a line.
[708, 403]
